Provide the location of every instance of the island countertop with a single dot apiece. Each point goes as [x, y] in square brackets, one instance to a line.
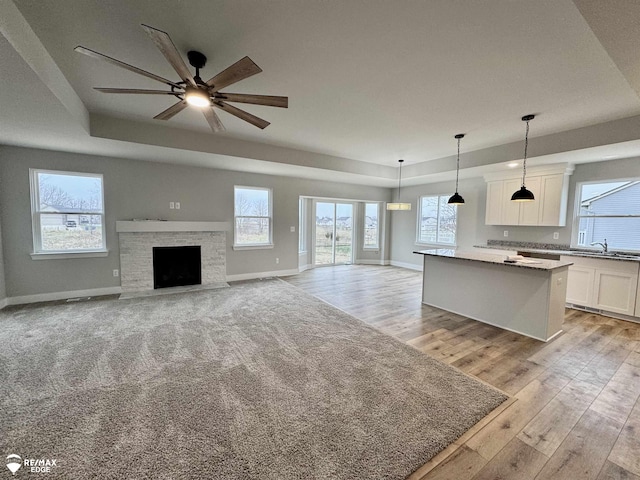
[532, 263]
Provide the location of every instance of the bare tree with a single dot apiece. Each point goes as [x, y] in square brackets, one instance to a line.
[52, 195]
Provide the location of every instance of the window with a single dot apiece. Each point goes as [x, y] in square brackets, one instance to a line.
[609, 210]
[371, 214]
[67, 212]
[436, 220]
[252, 212]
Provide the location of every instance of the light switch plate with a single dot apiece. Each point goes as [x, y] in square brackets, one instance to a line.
[172, 205]
[177, 205]
[293, 229]
[506, 233]
[556, 235]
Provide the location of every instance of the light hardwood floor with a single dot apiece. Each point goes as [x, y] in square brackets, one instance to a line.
[576, 414]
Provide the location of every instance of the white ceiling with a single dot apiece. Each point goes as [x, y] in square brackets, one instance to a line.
[369, 81]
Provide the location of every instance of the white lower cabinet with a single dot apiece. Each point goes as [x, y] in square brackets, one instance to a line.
[609, 285]
[580, 285]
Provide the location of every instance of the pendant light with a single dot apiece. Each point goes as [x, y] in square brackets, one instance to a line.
[524, 195]
[456, 198]
[398, 205]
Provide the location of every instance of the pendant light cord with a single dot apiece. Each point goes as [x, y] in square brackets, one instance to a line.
[458, 165]
[399, 180]
[526, 145]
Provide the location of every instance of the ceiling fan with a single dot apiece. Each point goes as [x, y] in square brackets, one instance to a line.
[192, 90]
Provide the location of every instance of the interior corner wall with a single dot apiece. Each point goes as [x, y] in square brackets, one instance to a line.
[404, 224]
[140, 189]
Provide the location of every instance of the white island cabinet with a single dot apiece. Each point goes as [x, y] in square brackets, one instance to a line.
[526, 297]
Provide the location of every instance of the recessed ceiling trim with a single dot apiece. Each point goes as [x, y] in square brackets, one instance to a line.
[22, 38]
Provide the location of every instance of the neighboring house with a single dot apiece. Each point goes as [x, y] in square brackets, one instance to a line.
[63, 220]
[621, 232]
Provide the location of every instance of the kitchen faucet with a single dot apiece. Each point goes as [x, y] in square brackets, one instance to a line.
[605, 247]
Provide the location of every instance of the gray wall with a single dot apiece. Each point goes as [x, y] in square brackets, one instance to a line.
[137, 189]
[404, 224]
[3, 290]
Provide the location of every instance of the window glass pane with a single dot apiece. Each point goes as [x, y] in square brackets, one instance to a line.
[621, 233]
[447, 222]
[371, 225]
[610, 198]
[59, 192]
[252, 231]
[70, 232]
[251, 202]
[437, 220]
[429, 220]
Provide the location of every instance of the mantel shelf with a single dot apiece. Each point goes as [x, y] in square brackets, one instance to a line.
[170, 226]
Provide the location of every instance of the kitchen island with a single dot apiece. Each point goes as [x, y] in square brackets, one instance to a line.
[526, 297]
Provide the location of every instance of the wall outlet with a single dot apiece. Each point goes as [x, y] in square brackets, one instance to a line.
[293, 229]
[506, 233]
[172, 205]
[116, 272]
[556, 235]
[177, 205]
[277, 260]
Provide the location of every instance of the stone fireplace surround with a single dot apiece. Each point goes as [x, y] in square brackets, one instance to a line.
[137, 239]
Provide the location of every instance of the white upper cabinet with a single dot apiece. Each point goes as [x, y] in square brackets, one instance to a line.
[550, 187]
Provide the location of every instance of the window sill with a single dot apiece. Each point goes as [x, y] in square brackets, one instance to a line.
[253, 247]
[371, 249]
[66, 255]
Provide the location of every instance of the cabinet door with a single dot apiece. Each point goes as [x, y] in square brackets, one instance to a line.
[615, 291]
[493, 215]
[580, 285]
[510, 210]
[529, 211]
[553, 201]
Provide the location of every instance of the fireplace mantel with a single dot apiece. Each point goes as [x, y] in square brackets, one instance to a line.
[170, 226]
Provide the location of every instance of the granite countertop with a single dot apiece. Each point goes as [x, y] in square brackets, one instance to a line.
[550, 249]
[532, 263]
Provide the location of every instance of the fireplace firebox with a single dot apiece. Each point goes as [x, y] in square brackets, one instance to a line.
[176, 266]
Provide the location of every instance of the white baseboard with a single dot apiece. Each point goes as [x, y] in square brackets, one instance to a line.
[371, 262]
[410, 266]
[252, 276]
[302, 268]
[48, 297]
[3, 303]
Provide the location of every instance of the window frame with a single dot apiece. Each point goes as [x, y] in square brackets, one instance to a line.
[575, 230]
[36, 214]
[252, 246]
[364, 228]
[421, 242]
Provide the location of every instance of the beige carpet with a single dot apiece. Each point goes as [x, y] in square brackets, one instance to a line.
[256, 381]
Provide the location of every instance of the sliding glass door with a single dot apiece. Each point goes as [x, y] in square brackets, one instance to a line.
[334, 233]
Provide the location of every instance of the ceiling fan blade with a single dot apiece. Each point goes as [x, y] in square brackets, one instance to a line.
[126, 66]
[135, 90]
[246, 116]
[170, 52]
[240, 70]
[269, 100]
[172, 110]
[213, 119]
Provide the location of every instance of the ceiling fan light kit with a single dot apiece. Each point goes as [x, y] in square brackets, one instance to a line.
[399, 205]
[197, 97]
[191, 89]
